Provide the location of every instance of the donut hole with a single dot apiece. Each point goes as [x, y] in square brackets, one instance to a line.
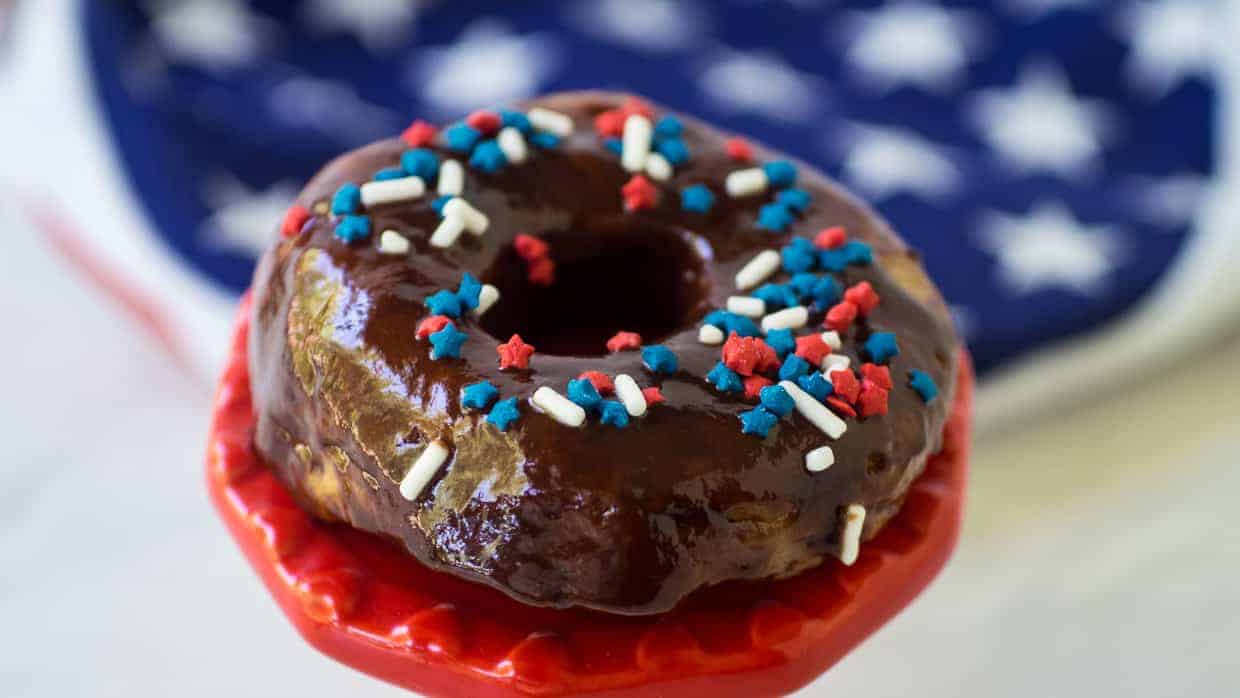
[607, 279]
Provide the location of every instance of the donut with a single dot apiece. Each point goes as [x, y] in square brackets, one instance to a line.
[591, 352]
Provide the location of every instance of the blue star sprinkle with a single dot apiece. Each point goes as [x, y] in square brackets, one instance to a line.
[731, 322]
[668, 127]
[461, 137]
[697, 198]
[799, 255]
[758, 422]
[347, 199]
[776, 296]
[545, 140]
[833, 260]
[516, 120]
[353, 228]
[389, 173]
[816, 385]
[881, 347]
[488, 157]
[725, 379]
[776, 400]
[444, 303]
[446, 343]
[803, 284]
[775, 218]
[583, 392]
[504, 414]
[469, 291]
[660, 359]
[420, 162]
[795, 199]
[613, 413]
[674, 150]
[924, 385]
[782, 341]
[478, 395]
[780, 173]
[614, 145]
[793, 367]
[826, 292]
[858, 253]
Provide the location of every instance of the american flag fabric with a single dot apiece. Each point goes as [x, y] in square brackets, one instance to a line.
[1050, 159]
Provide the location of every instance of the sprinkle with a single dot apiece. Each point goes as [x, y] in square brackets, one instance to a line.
[872, 401]
[815, 385]
[430, 325]
[836, 362]
[776, 296]
[738, 149]
[724, 379]
[461, 137]
[544, 140]
[850, 537]
[477, 396]
[392, 191]
[793, 367]
[732, 323]
[782, 341]
[294, 218]
[624, 341]
[658, 167]
[551, 121]
[758, 422]
[484, 121]
[697, 199]
[514, 353]
[668, 127]
[660, 359]
[444, 303]
[447, 232]
[775, 218]
[504, 413]
[846, 386]
[754, 385]
[392, 242]
[639, 194]
[833, 260]
[389, 173]
[832, 338]
[812, 349]
[353, 228]
[423, 470]
[830, 238]
[446, 343]
[882, 347]
[512, 143]
[347, 199]
[841, 407]
[841, 316]
[746, 182]
[541, 272]
[819, 459]
[674, 149]
[858, 253]
[583, 392]
[863, 296]
[451, 178]
[780, 173]
[613, 145]
[630, 395]
[469, 292]
[776, 400]
[601, 382]
[815, 411]
[440, 202]
[476, 222]
[636, 142]
[517, 120]
[795, 199]
[798, 256]
[826, 292]
[560, 408]
[748, 355]
[613, 413]
[878, 375]
[418, 134]
[529, 247]
[710, 335]
[653, 395]
[802, 283]
[925, 386]
[788, 318]
[757, 269]
[747, 306]
[636, 105]
[420, 162]
[487, 297]
[488, 157]
[610, 123]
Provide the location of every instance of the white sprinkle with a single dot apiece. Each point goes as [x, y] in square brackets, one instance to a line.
[709, 334]
[819, 459]
[786, 319]
[447, 232]
[392, 242]
[757, 269]
[560, 408]
[630, 395]
[451, 178]
[658, 167]
[423, 469]
[816, 412]
[390, 191]
[487, 297]
[835, 362]
[512, 143]
[850, 538]
[747, 306]
[746, 182]
[550, 121]
[475, 221]
[832, 338]
[635, 145]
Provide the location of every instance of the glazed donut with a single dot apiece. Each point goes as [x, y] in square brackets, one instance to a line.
[594, 353]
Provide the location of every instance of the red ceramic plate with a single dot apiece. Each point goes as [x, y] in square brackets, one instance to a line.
[363, 601]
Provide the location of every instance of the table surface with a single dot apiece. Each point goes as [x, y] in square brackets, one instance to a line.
[1098, 556]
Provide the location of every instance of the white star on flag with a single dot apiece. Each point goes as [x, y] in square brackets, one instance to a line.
[215, 34]
[1170, 201]
[1049, 248]
[1038, 125]
[763, 84]
[911, 43]
[244, 220]
[333, 108]
[487, 65]
[1171, 41]
[884, 161]
[657, 25]
[381, 25]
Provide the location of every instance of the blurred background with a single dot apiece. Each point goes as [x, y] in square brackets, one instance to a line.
[1066, 167]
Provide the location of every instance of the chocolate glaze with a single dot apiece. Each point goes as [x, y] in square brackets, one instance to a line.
[622, 520]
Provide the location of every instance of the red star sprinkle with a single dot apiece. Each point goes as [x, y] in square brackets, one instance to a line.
[624, 341]
[514, 354]
[639, 194]
[840, 406]
[419, 134]
[430, 325]
[541, 271]
[863, 296]
[485, 121]
[878, 375]
[748, 355]
[739, 149]
[294, 219]
[529, 247]
[601, 382]
[872, 401]
[635, 105]
[610, 124]
[754, 386]
[812, 348]
[653, 396]
[846, 385]
[841, 316]
[830, 238]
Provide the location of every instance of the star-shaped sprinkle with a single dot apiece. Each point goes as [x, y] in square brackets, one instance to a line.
[469, 291]
[863, 296]
[776, 400]
[857, 253]
[878, 375]
[583, 392]
[794, 199]
[775, 218]
[639, 194]
[294, 219]
[614, 413]
[446, 343]
[504, 413]
[882, 347]
[826, 292]
[782, 341]
[430, 325]
[697, 199]
[830, 238]
[725, 379]
[515, 353]
[653, 396]
[477, 396]
[815, 385]
[841, 316]
[793, 368]
[660, 359]
[601, 381]
[484, 121]
[624, 341]
[444, 303]
[674, 149]
[872, 402]
[488, 157]
[353, 228]
[840, 406]
[420, 162]
[668, 127]
[731, 322]
[799, 255]
[738, 149]
[461, 137]
[812, 348]
[925, 386]
[776, 296]
[758, 422]
[754, 385]
[845, 385]
[780, 173]
[419, 134]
